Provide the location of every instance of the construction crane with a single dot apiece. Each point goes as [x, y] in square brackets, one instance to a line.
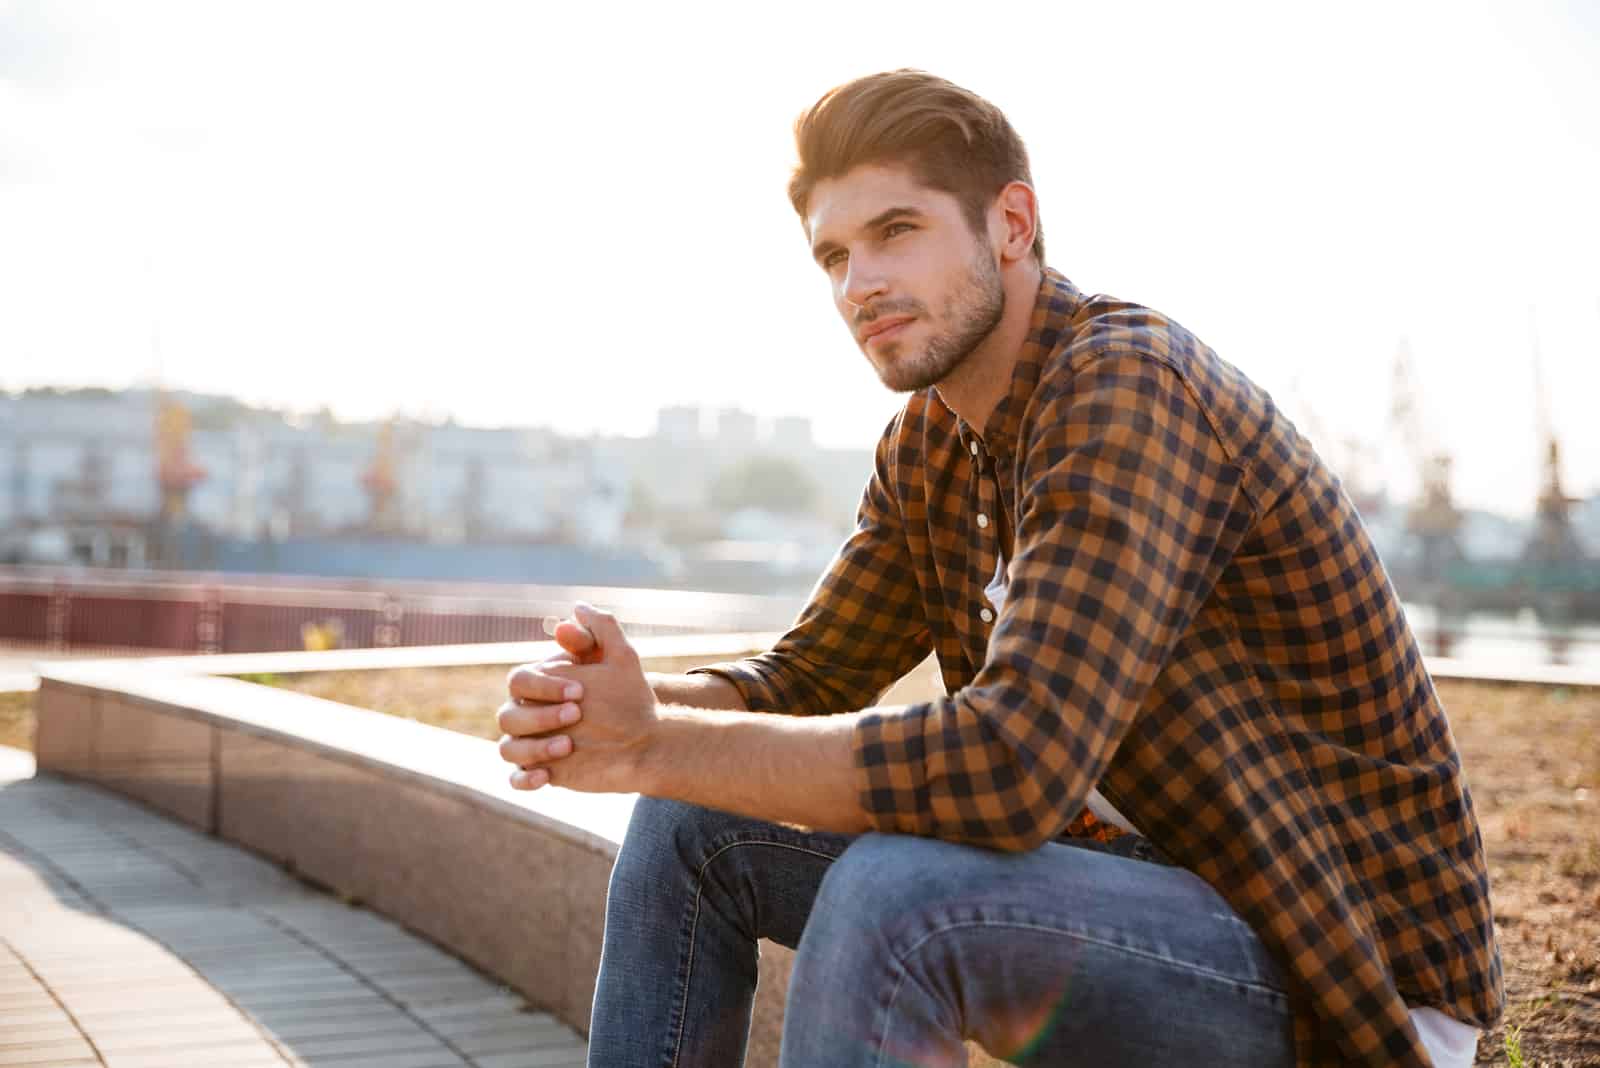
[1554, 542]
[381, 480]
[1433, 517]
[176, 472]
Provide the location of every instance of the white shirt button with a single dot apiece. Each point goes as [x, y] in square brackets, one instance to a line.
[986, 615]
[983, 521]
[973, 445]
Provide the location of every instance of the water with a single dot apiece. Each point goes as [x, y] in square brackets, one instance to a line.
[1505, 641]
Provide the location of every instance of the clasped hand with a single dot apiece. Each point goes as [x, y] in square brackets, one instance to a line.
[582, 718]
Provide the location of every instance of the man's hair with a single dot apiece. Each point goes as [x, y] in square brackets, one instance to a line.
[949, 138]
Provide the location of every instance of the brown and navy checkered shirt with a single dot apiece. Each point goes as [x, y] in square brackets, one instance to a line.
[1197, 623]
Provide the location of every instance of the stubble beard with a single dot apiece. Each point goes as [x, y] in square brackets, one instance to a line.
[975, 308]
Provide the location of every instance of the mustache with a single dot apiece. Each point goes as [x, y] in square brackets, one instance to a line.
[874, 312]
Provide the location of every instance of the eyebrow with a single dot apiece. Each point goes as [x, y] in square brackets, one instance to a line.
[888, 215]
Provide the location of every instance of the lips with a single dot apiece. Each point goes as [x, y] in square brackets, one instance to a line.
[883, 326]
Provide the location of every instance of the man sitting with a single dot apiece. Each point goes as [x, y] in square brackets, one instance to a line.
[1191, 798]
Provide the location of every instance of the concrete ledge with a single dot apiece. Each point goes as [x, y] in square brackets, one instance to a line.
[153, 756]
[66, 728]
[415, 821]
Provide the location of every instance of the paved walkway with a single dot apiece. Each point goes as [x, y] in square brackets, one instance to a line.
[131, 941]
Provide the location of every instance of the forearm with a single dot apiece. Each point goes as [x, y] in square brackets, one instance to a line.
[784, 769]
[695, 691]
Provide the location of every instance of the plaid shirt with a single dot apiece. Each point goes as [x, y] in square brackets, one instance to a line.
[1198, 624]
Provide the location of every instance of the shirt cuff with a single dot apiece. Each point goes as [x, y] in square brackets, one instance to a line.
[889, 753]
[918, 772]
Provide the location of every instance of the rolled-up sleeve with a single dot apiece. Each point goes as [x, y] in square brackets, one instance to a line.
[864, 625]
[1129, 509]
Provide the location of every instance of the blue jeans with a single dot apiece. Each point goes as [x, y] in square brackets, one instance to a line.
[1071, 954]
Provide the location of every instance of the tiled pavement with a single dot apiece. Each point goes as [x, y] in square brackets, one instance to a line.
[130, 941]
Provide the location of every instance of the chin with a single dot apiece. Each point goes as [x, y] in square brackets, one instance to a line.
[914, 371]
[908, 380]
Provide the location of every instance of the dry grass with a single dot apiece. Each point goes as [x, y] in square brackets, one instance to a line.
[1532, 756]
[16, 720]
[460, 699]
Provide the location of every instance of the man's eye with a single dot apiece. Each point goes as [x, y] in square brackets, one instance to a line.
[897, 228]
[833, 259]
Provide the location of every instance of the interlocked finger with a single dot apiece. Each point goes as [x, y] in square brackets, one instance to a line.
[530, 752]
[529, 682]
[519, 717]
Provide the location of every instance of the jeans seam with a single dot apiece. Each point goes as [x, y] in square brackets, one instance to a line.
[886, 1014]
[903, 972]
[1193, 969]
[694, 926]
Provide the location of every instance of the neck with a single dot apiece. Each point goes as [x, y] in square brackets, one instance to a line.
[975, 387]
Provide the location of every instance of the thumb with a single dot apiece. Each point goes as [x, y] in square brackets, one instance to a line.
[603, 625]
[576, 639]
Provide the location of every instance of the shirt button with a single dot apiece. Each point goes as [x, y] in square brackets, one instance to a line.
[986, 615]
[973, 445]
[983, 521]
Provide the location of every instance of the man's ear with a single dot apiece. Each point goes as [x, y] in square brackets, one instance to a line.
[1014, 220]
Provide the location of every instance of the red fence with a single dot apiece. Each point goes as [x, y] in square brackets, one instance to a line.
[66, 609]
[207, 612]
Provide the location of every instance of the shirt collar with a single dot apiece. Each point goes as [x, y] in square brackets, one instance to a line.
[1057, 301]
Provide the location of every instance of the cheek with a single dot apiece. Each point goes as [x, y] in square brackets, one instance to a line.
[845, 309]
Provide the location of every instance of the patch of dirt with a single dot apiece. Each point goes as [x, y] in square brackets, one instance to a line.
[1532, 757]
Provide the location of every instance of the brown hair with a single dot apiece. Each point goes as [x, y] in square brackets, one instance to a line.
[951, 139]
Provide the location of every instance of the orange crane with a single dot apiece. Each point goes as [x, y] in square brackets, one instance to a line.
[382, 482]
[176, 472]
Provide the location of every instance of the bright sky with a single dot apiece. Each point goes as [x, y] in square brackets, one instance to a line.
[571, 215]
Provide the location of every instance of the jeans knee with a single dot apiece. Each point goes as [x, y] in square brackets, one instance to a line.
[667, 839]
[875, 879]
[868, 892]
[664, 833]
[657, 820]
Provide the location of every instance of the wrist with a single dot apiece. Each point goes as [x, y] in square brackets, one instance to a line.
[650, 759]
[702, 690]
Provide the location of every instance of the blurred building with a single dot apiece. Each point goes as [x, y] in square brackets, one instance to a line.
[736, 429]
[678, 423]
[81, 481]
[87, 460]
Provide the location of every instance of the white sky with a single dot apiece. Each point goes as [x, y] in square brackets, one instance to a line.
[523, 215]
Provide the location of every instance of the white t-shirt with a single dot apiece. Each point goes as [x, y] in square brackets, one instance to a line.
[1449, 1042]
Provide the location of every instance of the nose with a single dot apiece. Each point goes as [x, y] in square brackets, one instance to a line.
[863, 281]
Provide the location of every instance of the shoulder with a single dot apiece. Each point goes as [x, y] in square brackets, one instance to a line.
[1108, 326]
[1126, 360]
[1116, 363]
[1114, 342]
